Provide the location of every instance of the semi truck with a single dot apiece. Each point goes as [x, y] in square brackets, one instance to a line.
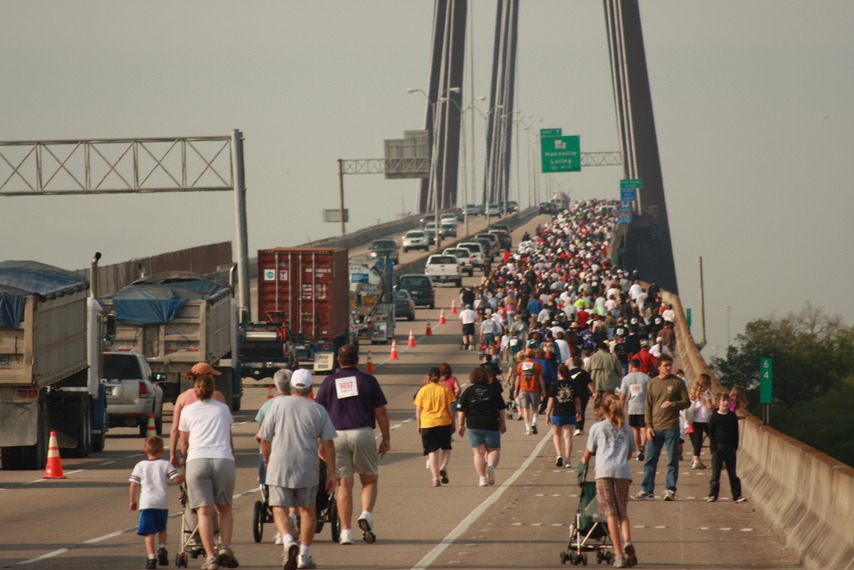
[266, 346]
[309, 287]
[50, 332]
[176, 319]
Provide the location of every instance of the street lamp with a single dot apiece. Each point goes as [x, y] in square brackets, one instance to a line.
[463, 111]
[435, 151]
[728, 342]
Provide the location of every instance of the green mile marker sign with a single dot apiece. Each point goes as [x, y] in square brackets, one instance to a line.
[561, 153]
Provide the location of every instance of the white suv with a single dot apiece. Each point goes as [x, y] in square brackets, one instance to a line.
[476, 250]
[464, 258]
[416, 239]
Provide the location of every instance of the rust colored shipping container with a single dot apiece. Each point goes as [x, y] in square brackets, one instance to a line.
[309, 285]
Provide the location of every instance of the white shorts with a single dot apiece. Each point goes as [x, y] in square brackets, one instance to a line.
[356, 452]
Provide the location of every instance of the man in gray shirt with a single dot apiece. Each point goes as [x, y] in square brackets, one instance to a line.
[289, 444]
[606, 371]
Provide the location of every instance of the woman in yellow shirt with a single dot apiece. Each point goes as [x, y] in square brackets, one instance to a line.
[434, 412]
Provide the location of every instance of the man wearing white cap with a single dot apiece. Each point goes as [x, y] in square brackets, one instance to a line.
[289, 443]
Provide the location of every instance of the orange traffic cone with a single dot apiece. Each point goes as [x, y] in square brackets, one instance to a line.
[393, 355]
[453, 307]
[152, 427]
[411, 343]
[442, 320]
[370, 365]
[429, 331]
[53, 468]
[271, 392]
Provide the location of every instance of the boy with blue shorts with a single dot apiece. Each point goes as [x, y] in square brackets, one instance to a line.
[149, 481]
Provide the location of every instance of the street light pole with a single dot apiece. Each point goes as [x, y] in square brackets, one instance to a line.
[434, 184]
[728, 342]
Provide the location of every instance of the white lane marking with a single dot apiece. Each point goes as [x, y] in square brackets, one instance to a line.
[466, 523]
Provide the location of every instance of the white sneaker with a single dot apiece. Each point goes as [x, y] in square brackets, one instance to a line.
[490, 474]
[482, 482]
[346, 536]
[277, 539]
[366, 523]
[306, 561]
[577, 432]
[669, 495]
[527, 430]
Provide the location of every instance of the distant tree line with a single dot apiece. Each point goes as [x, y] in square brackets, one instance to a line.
[813, 376]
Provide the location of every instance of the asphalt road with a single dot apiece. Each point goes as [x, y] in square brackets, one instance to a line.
[83, 521]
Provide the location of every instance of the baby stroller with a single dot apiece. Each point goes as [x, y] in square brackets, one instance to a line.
[191, 542]
[589, 531]
[325, 508]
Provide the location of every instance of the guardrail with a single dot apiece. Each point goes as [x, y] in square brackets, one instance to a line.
[806, 495]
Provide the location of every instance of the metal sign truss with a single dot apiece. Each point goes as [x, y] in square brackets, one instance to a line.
[114, 166]
[417, 167]
[601, 158]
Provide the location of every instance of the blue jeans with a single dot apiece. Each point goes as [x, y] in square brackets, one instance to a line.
[662, 437]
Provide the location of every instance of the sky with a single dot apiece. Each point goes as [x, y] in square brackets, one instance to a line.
[752, 103]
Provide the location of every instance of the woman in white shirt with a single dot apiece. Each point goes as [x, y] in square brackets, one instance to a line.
[702, 406]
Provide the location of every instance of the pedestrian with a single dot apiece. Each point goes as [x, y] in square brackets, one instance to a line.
[447, 378]
[282, 384]
[666, 394]
[702, 406]
[481, 411]
[208, 446]
[185, 399]
[149, 484]
[583, 388]
[606, 371]
[290, 432]
[738, 402]
[356, 405]
[562, 413]
[436, 423]
[530, 390]
[467, 320]
[611, 441]
[723, 432]
[633, 399]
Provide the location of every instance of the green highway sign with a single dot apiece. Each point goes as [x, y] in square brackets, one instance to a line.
[551, 132]
[561, 154]
[766, 377]
[631, 183]
[688, 316]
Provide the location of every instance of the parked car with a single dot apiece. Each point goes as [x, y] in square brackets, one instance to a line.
[464, 258]
[416, 239]
[457, 212]
[494, 210]
[449, 218]
[502, 227]
[403, 305]
[493, 240]
[420, 288]
[477, 252]
[474, 210]
[427, 218]
[443, 269]
[132, 393]
[431, 235]
[512, 206]
[504, 239]
[381, 248]
[545, 207]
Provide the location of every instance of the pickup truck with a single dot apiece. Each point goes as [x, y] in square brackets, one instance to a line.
[445, 268]
[415, 239]
[132, 393]
[477, 253]
[464, 258]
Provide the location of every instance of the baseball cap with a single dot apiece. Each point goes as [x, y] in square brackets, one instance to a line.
[301, 379]
[203, 368]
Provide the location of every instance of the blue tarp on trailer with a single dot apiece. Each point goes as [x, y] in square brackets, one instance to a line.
[22, 279]
[159, 298]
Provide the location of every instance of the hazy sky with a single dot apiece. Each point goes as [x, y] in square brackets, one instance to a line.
[752, 100]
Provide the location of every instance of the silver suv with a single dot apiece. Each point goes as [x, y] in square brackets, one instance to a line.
[132, 394]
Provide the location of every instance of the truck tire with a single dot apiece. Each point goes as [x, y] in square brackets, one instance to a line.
[33, 457]
[84, 430]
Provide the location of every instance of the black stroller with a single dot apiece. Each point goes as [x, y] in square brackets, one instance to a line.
[589, 531]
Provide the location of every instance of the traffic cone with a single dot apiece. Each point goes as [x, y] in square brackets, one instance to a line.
[429, 330]
[152, 427]
[442, 320]
[370, 365]
[393, 355]
[53, 468]
[453, 307]
[271, 392]
[411, 343]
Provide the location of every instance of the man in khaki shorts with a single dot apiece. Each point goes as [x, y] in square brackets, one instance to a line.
[356, 404]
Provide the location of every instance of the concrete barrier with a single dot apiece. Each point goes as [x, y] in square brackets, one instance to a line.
[806, 495]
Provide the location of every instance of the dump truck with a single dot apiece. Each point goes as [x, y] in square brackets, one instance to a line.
[309, 287]
[50, 331]
[176, 319]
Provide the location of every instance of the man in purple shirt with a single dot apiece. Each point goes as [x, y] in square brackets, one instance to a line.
[356, 404]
